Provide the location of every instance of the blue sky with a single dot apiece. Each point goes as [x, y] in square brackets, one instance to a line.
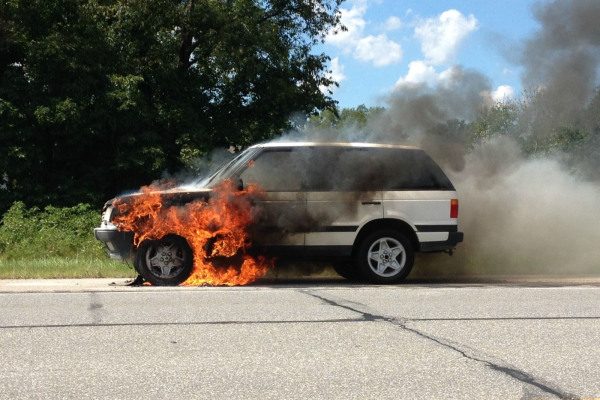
[391, 43]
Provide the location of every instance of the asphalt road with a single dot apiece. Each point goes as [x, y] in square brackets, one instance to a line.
[301, 339]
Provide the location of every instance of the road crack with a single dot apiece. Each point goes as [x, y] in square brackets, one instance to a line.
[471, 354]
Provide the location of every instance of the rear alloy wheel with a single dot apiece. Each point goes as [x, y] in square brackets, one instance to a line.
[165, 262]
[385, 256]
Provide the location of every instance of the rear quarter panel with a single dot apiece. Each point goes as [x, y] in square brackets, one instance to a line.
[418, 208]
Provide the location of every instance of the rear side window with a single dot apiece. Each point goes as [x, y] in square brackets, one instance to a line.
[370, 169]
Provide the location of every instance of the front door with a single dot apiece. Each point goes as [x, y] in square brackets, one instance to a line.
[282, 211]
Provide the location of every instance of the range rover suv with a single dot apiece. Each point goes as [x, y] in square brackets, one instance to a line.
[365, 207]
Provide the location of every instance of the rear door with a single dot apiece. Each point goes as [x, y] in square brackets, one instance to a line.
[340, 195]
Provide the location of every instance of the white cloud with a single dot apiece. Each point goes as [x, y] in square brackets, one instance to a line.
[379, 49]
[419, 73]
[353, 20]
[440, 37]
[337, 70]
[392, 24]
[503, 94]
[337, 74]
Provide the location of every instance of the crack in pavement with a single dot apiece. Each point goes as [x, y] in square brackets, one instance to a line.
[512, 372]
[473, 355]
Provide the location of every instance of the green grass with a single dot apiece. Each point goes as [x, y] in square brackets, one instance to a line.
[62, 267]
[54, 243]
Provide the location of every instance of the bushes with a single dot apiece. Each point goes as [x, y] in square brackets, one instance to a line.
[53, 232]
[54, 243]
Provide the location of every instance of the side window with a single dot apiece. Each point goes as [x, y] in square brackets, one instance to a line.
[346, 169]
[276, 171]
[368, 169]
[417, 171]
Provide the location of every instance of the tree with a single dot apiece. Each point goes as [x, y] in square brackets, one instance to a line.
[101, 96]
[348, 118]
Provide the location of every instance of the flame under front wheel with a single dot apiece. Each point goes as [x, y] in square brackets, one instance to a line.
[385, 256]
[165, 262]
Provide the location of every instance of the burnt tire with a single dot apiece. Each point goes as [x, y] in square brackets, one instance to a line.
[164, 262]
[384, 257]
[346, 269]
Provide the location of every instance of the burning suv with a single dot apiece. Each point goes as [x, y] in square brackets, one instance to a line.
[365, 207]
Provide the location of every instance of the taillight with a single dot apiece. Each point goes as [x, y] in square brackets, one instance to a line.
[454, 208]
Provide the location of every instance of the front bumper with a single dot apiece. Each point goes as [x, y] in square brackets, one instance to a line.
[118, 244]
[454, 238]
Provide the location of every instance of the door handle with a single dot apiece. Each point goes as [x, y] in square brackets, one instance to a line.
[371, 203]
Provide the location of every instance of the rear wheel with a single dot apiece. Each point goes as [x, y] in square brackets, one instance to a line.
[385, 256]
[165, 262]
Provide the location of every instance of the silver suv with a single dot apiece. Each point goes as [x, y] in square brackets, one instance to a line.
[366, 207]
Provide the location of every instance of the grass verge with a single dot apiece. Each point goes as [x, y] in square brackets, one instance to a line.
[63, 267]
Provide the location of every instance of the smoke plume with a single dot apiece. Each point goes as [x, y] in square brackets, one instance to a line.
[521, 213]
[521, 216]
[563, 54]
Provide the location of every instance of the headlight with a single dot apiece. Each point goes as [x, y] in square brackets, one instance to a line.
[107, 215]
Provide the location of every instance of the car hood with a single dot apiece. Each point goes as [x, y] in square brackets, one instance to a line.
[171, 197]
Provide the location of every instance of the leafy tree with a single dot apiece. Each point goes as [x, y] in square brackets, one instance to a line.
[499, 119]
[573, 135]
[326, 118]
[101, 96]
[348, 118]
[359, 116]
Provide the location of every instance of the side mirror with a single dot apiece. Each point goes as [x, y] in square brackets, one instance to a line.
[240, 184]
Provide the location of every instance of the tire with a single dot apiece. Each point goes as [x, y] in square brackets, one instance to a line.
[385, 257]
[346, 269]
[165, 262]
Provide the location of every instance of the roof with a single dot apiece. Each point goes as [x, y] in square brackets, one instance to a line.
[332, 144]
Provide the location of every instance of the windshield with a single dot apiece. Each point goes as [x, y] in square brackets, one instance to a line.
[227, 170]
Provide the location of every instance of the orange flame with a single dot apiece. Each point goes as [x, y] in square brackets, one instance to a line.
[224, 219]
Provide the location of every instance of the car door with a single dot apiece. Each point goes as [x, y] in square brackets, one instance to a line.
[282, 210]
[340, 197]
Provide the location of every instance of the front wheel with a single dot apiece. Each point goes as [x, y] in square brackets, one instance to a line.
[385, 256]
[165, 262]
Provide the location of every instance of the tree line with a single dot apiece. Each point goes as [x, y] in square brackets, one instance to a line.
[101, 96]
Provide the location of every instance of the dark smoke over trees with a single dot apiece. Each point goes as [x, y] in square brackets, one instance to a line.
[97, 97]
[418, 116]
